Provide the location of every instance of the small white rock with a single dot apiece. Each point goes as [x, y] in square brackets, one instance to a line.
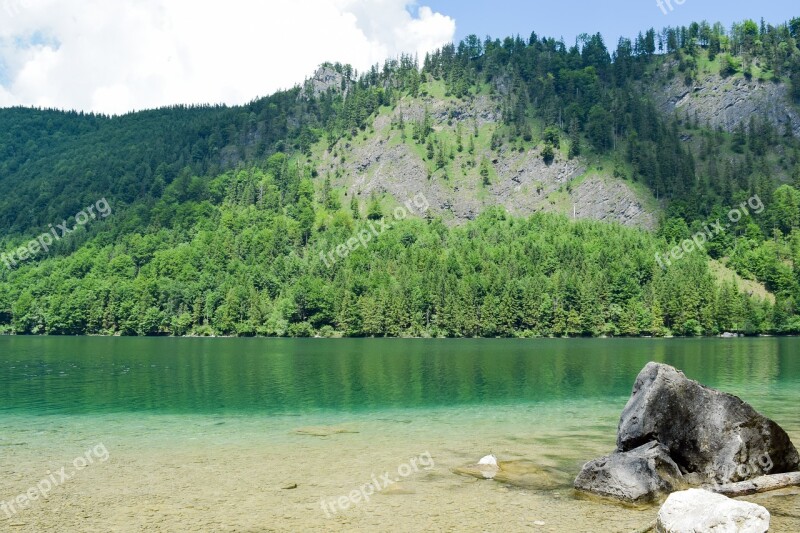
[700, 511]
[488, 460]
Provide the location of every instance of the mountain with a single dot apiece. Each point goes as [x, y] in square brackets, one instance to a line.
[502, 188]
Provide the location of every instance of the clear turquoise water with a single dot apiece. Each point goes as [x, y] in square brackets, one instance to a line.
[95, 375]
[167, 404]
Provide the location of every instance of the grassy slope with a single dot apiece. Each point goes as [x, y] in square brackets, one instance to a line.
[725, 274]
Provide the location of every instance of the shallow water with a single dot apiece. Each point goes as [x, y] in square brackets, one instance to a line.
[204, 434]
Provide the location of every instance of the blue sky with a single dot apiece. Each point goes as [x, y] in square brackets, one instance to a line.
[612, 18]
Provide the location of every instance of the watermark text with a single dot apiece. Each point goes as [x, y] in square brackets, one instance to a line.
[57, 232]
[365, 492]
[418, 205]
[54, 479]
[710, 232]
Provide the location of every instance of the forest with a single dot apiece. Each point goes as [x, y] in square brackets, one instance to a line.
[220, 218]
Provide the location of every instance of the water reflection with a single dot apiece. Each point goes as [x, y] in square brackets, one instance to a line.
[86, 375]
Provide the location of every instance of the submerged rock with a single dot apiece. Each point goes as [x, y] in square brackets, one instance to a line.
[525, 474]
[483, 469]
[641, 475]
[323, 431]
[398, 489]
[706, 431]
[490, 460]
[700, 511]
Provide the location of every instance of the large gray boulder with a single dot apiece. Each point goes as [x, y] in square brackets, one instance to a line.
[706, 431]
[638, 476]
[700, 511]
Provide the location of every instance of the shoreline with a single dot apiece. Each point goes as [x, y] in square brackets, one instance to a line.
[340, 337]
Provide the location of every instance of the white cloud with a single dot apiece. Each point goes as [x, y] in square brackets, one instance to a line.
[114, 56]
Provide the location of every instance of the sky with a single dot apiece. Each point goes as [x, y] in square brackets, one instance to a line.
[612, 18]
[116, 56]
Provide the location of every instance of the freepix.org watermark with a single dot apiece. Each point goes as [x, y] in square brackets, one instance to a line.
[710, 232]
[54, 479]
[418, 205]
[667, 6]
[365, 492]
[756, 466]
[43, 243]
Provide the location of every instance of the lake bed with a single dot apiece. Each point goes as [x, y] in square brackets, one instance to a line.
[214, 434]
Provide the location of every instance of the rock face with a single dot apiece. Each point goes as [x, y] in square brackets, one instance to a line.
[638, 476]
[706, 431]
[727, 102]
[698, 511]
[601, 198]
[380, 162]
[327, 77]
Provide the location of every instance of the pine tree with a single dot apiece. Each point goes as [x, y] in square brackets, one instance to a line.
[329, 197]
[440, 157]
[349, 320]
[657, 325]
[375, 211]
[401, 125]
[497, 140]
[485, 171]
[574, 139]
[305, 208]
[548, 153]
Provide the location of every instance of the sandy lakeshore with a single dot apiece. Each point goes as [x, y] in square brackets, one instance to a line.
[258, 473]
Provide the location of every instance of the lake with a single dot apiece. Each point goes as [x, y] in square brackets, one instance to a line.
[281, 435]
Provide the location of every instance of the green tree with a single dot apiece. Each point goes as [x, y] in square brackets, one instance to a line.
[306, 214]
[574, 139]
[599, 128]
[484, 171]
[548, 154]
[374, 211]
[330, 198]
[784, 209]
[552, 136]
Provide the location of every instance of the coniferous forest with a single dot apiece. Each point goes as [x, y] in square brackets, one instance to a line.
[221, 219]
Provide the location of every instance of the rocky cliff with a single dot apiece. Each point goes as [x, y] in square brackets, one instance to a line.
[727, 102]
[385, 160]
[380, 162]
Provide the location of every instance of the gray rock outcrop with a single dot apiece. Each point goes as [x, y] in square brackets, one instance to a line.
[674, 431]
[637, 476]
[727, 102]
[326, 78]
[706, 431]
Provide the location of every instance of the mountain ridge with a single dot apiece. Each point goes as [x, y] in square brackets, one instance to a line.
[221, 215]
